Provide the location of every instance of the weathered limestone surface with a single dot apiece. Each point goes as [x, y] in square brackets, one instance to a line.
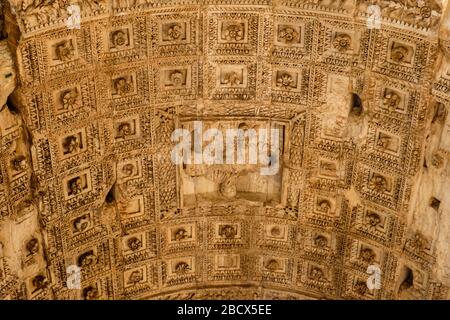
[87, 182]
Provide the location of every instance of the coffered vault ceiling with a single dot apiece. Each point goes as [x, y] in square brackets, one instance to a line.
[86, 173]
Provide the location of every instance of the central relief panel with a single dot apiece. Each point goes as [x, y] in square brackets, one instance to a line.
[231, 161]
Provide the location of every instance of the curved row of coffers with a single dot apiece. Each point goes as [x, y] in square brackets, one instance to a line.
[115, 205]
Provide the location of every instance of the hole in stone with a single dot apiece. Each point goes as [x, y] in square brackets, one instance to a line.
[356, 105]
[110, 198]
[12, 106]
[406, 279]
[435, 203]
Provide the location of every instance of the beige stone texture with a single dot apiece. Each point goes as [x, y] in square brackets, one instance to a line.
[92, 205]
